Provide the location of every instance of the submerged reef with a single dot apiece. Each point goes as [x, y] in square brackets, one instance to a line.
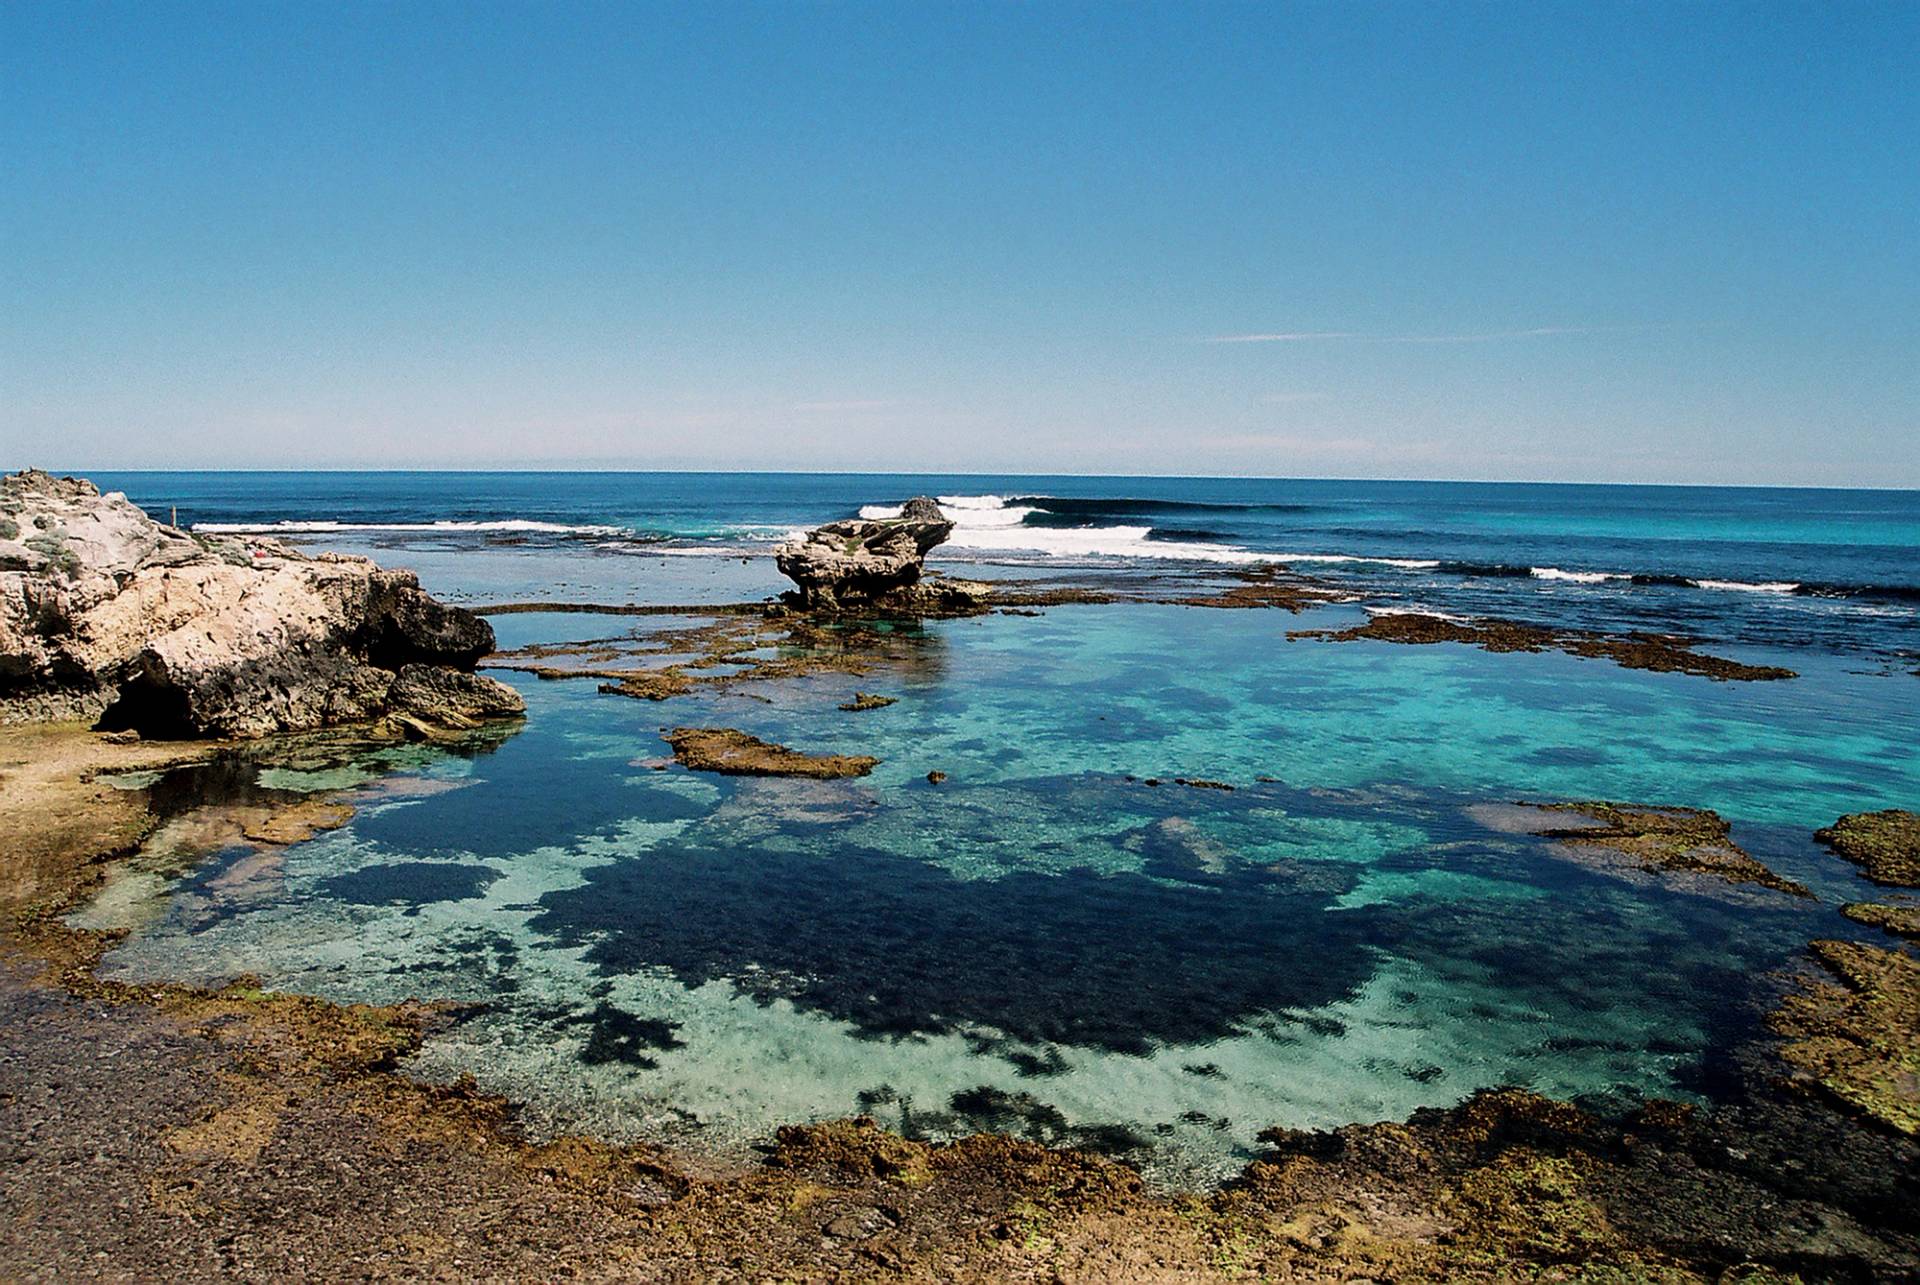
[1661, 653]
[1674, 840]
[1885, 845]
[734, 753]
[727, 651]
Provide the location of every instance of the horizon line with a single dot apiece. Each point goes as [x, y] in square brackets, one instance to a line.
[1194, 477]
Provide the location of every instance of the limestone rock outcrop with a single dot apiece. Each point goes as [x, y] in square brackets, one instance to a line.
[109, 616]
[865, 561]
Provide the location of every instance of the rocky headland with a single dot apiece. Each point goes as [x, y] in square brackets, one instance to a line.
[110, 617]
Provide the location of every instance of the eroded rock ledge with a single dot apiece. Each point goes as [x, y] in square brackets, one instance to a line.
[874, 563]
[109, 616]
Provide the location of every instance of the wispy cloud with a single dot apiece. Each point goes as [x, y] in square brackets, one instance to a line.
[1362, 336]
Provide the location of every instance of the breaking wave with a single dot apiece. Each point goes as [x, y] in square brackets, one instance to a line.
[445, 525]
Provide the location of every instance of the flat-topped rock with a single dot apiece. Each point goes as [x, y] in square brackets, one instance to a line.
[863, 561]
[109, 616]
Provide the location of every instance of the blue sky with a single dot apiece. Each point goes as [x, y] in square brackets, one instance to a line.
[1563, 242]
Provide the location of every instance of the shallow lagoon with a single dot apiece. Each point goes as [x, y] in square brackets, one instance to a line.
[1039, 943]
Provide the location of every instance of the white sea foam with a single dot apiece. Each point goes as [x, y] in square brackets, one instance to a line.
[1576, 577]
[1404, 564]
[327, 527]
[1417, 610]
[1743, 586]
[989, 524]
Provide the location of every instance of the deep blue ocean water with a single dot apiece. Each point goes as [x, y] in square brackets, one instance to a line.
[1836, 569]
[1044, 942]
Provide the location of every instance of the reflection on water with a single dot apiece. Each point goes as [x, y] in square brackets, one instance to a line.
[1045, 943]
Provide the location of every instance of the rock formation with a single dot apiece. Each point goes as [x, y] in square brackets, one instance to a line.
[109, 616]
[875, 562]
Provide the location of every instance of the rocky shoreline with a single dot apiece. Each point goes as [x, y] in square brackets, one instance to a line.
[110, 617]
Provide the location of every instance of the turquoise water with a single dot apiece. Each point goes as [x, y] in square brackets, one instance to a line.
[1039, 943]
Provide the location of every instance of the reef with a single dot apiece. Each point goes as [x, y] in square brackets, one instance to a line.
[734, 753]
[1660, 653]
[727, 651]
[109, 616]
[1668, 840]
[867, 700]
[1885, 845]
[1859, 1039]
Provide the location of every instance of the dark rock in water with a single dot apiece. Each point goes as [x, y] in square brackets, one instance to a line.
[1660, 653]
[864, 560]
[867, 700]
[411, 626]
[1885, 845]
[921, 508]
[108, 615]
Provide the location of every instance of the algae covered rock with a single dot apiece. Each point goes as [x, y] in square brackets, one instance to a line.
[732, 752]
[1885, 845]
[1859, 1040]
[1661, 839]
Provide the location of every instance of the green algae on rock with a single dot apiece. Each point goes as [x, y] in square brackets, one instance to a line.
[1672, 839]
[1860, 1040]
[1885, 845]
[1901, 918]
[732, 752]
[1659, 653]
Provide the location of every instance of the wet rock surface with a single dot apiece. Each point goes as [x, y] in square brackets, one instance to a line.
[1858, 1036]
[734, 753]
[1661, 653]
[1899, 917]
[108, 615]
[1885, 845]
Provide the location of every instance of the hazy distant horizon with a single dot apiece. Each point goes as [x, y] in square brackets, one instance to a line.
[989, 474]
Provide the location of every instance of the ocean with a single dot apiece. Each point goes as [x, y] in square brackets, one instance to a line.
[1828, 569]
[1058, 939]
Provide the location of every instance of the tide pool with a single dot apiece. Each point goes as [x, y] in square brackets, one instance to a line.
[1044, 942]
